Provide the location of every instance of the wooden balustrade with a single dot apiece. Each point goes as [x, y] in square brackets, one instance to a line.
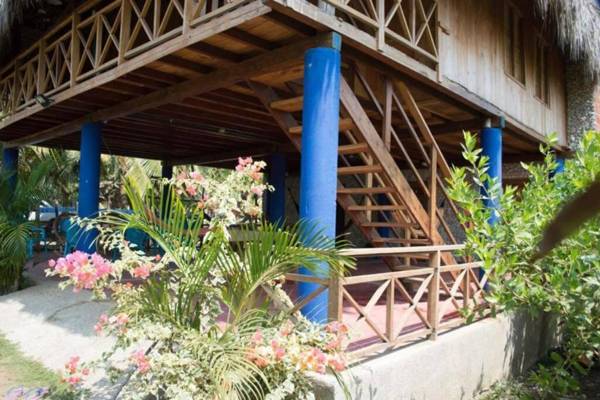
[410, 25]
[99, 36]
[419, 301]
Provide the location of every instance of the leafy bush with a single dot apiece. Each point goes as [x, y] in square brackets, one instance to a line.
[15, 229]
[567, 281]
[177, 341]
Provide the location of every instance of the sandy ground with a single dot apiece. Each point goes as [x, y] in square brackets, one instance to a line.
[51, 325]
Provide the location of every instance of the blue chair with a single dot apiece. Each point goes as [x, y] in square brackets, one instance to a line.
[38, 235]
[70, 231]
[137, 238]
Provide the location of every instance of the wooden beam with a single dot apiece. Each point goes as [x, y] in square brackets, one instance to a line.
[281, 58]
[249, 39]
[257, 151]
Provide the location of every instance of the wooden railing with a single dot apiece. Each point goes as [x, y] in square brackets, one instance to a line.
[97, 37]
[410, 25]
[415, 303]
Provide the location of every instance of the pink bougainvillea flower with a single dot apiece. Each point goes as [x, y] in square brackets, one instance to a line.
[286, 328]
[197, 176]
[337, 362]
[142, 271]
[102, 322]
[122, 319]
[257, 190]
[191, 190]
[71, 365]
[141, 361]
[257, 337]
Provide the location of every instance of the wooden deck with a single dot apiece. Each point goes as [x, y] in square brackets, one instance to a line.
[386, 309]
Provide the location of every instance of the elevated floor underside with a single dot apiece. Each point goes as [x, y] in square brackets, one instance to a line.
[226, 118]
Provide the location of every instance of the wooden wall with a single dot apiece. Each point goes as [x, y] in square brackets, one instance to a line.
[472, 52]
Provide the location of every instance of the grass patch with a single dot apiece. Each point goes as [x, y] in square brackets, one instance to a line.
[18, 370]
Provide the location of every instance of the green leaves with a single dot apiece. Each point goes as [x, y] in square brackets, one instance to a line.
[565, 281]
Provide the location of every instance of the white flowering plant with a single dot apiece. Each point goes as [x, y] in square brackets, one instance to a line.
[203, 320]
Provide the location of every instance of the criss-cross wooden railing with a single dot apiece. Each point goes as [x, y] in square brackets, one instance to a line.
[99, 36]
[410, 25]
[388, 309]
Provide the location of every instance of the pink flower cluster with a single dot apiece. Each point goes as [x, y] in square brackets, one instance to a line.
[74, 373]
[252, 169]
[141, 361]
[285, 346]
[116, 322]
[84, 270]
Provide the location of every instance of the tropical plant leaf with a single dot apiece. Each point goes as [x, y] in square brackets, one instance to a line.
[570, 218]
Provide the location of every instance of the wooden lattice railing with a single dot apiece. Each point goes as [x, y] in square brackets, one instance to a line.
[410, 25]
[417, 302]
[98, 37]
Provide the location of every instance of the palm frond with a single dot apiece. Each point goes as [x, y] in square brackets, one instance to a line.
[269, 253]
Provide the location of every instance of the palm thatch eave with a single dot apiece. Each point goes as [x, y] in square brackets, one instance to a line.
[576, 24]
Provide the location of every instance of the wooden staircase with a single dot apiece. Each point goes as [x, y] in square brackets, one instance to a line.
[372, 189]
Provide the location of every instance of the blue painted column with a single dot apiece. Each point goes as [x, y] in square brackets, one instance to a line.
[89, 180]
[491, 141]
[166, 170]
[10, 164]
[276, 199]
[560, 166]
[318, 163]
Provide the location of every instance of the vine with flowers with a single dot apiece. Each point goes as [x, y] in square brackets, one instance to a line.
[198, 320]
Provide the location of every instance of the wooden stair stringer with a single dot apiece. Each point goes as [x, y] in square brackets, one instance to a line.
[383, 157]
[285, 120]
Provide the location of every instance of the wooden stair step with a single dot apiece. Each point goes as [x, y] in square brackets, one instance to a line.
[386, 225]
[288, 105]
[375, 207]
[345, 124]
[359, 169]
[368, 190]
[355, 148]
[401, 241]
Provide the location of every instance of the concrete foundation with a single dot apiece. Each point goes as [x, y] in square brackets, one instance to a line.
[458, 365]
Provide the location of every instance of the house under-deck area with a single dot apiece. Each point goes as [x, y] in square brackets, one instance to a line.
[348, 97]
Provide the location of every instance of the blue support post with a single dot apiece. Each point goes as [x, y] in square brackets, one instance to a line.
[383, 200]
[560, 166]
[89, 180]
[10, 164]
[491, 140]
[318, 164]
[166, 170]
[276, 199]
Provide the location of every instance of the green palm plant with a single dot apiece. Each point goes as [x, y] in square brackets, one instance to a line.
[206, 273]
[15, 229]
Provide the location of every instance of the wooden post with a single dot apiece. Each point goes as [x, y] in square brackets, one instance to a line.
[433, 295]
[389, 311]
[467, 287]
[433, 192]
[387, 115]
[335, 306]
[188, 10]
[40, 81]
[75, 51]
[16, 87]
[125, 31]
[99, 42]
[380, 24]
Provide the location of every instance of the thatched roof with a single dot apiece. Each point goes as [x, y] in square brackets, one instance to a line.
[577, 27]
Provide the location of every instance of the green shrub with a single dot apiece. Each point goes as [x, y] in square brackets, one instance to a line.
[566, 282]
